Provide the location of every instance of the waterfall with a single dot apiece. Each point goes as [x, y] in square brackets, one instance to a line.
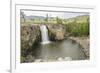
[44, 34]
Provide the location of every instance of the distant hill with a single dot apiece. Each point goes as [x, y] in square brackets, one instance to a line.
[37, 17]
[34, 17]
[79, 19]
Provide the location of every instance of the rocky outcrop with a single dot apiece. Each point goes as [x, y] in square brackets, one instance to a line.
[30, 35]
[84, 43]
[56, 32]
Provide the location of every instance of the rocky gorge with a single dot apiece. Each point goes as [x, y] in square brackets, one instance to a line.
[31, 36]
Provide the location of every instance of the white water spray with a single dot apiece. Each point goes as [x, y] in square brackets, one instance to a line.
[44, 34]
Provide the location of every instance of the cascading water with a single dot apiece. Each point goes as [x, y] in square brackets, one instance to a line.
[44, 34]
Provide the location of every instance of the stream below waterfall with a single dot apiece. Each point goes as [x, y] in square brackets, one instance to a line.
[59, 50]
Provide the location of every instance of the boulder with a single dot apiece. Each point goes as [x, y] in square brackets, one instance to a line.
[56, 32]
[30, 58]
[67, 59]
[60, 59]
[38, 60]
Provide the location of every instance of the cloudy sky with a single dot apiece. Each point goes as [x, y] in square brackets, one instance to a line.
[63, 15]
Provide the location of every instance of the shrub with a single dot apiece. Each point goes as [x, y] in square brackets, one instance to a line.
[78, 29]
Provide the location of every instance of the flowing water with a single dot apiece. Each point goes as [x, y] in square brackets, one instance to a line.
[57, 50]
[44, 34]
[54, 50]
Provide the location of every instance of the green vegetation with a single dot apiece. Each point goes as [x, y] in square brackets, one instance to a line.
[46, 19]
[77, 26]
[59, 21]
[78, 29]
[30, 36]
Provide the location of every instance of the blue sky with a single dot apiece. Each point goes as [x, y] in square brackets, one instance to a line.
[64, 15]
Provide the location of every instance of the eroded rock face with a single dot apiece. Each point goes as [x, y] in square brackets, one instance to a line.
[30, 35]
[84, 43]
[56, 32]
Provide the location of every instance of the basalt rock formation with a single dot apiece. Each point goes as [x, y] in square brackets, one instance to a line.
[56, 32]
[30, 35]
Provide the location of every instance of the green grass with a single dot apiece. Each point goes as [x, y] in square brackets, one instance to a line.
[77, 26]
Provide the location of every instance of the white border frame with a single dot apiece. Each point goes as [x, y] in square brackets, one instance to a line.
[15, 38]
